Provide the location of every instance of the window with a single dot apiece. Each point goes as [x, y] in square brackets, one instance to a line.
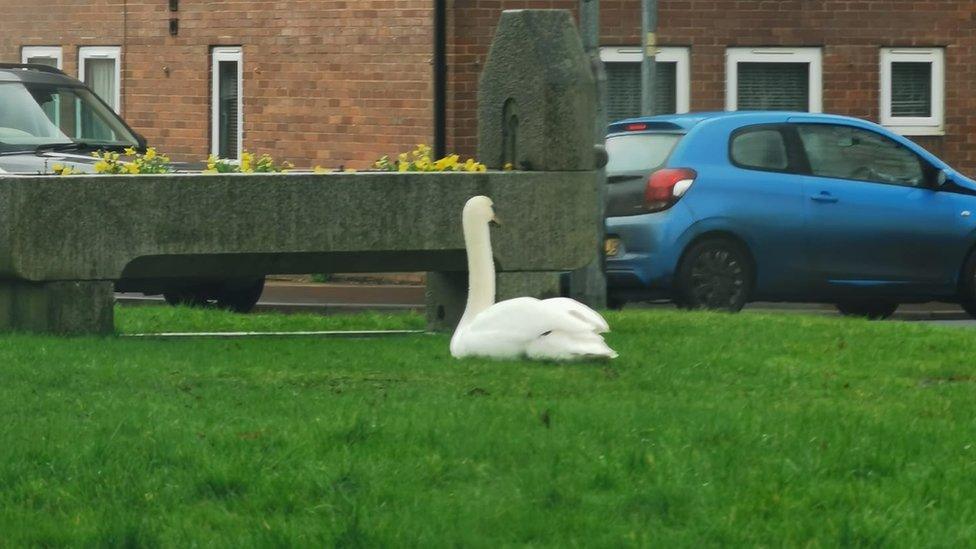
[639, 152]
[227, 113]
[623, 66]
[761, 148]
[851, 153]
[100, 69]
[779, 79]
[42, 55]
[913, 90]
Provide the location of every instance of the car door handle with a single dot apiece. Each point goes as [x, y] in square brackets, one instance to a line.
[824, 197]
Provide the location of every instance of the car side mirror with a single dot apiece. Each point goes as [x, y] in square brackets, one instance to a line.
[942, 178]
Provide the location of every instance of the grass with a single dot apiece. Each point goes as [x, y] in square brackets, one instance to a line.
[709, 429]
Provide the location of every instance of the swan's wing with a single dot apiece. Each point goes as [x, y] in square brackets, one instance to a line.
[577, 310]
[527, 316]
[570, 346]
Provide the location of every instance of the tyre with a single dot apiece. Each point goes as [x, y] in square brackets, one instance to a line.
[967, 285]
[190, 297]
[615, 303]
[240, 296]
[872, 310]
[714, 274]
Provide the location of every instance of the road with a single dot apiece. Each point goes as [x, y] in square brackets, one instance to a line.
[282, 296]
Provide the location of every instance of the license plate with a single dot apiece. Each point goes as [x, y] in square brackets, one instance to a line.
[611, 246]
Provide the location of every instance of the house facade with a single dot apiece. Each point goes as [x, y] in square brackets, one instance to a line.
[343, 82]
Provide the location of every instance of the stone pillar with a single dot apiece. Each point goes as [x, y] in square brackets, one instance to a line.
[536, 111]
[64, 308]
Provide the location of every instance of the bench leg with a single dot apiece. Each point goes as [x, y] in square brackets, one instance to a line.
[447, 293]
[73, 307]
[446, 296]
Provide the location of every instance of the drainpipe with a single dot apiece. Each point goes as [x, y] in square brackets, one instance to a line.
[440, 78]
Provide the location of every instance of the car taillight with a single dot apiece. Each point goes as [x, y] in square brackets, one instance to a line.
[666, 186]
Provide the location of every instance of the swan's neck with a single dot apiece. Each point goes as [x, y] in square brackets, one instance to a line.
[481, 270]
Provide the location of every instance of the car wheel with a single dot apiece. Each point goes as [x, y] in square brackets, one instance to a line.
[191, 297]
[872, 310]
[714, 274]
[240, 296]
[615, 303]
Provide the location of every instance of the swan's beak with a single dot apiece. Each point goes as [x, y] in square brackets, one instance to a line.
[494, 221]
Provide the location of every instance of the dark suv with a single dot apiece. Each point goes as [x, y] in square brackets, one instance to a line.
[48, 118]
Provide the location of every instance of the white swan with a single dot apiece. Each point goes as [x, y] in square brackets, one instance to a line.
[551, 329]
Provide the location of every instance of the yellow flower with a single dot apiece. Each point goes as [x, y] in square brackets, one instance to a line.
[101, 166]
[132, 167]
[130, 151]
[210, 171]
[350, 170]
[508, 167]
[212, 163]
[321, 170]
[403, 165]
[150, 153]
[446, 163]
[246, 160]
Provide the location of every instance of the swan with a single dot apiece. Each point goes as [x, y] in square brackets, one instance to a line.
[550, 329]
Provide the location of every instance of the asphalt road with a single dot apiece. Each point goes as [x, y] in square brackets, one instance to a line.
[281, 296]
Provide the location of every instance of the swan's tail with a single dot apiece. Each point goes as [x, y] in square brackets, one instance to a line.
[560, 345]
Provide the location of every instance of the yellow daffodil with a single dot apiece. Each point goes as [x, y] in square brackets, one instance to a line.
[321, 170]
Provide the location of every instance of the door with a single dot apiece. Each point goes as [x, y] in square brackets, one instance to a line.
[876, 223]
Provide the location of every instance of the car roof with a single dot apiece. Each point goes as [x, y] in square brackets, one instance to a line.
[686, 121]
[34, 74]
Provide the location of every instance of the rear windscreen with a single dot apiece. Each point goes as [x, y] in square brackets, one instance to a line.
[639, 152]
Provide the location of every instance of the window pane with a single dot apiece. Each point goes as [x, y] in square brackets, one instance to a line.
[639, 152]
[849, 153]
[624, 89]
[228, 106]
[762, 149]
[49, 61]
[774, 86]
[100, 77]
[911, 89]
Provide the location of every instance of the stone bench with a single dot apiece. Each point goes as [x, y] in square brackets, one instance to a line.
[63, 241]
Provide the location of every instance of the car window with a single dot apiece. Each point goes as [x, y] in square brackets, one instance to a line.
[852, 153]
[639, 152]
[763, 149]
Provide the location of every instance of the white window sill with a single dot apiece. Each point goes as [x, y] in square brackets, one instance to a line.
[916, 130]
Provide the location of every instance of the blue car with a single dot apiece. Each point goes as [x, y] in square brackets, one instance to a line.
[714, 210]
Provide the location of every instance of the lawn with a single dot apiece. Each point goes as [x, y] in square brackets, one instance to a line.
[709, 429]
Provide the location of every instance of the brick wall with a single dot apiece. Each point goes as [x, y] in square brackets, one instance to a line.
[324, 82]
[850, 33]
[343, 82]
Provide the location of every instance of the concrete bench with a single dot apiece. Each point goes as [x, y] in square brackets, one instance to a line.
[65, 240]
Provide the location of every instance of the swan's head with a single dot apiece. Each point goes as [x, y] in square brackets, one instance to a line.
[480, 209]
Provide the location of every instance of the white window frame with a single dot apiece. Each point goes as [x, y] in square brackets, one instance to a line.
[103, 52]
[914, 125]
[226, 53]
[681, 56]
[54, 52]
[813, 57]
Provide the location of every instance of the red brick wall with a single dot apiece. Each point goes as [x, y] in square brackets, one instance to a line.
[325, 82]
[850, 33]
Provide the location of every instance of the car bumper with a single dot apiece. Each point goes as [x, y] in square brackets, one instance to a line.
[649, 251]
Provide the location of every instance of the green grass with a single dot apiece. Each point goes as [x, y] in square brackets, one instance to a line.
[709, 429]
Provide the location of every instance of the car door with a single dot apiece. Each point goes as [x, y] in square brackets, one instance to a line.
[876, 223]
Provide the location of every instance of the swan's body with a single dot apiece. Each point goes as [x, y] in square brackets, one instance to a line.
[549, 329]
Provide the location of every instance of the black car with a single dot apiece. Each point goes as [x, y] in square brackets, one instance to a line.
[48, 118]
